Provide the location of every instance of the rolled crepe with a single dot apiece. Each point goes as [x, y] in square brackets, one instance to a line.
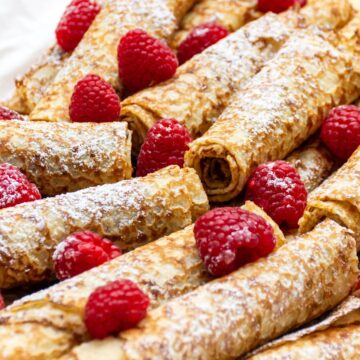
[347, 313]
[203, 86]
[15, 103]
[340, 343]
[52, 320]
[65, 157]
[313, 162]
[231, 14]
[31, 86]
[47, 324]
[97, 51]
[229, 316]
[130, 212]
[278, 109]
[337, 198]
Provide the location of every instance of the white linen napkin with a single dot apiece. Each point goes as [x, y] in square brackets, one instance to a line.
[27, 29]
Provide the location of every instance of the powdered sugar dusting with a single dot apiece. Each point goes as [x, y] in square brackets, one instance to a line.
[212, 77]
[337, 197]
[97, 52]
[43, 224]
[60, 249]
[65, 157]
[313, 162]
[168, 263]
[232, 315]
[278, 109]
[131, 213]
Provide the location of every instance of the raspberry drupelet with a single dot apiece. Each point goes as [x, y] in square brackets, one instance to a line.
[82, 251]
[228, 238]
[115, 307]
[277, 188]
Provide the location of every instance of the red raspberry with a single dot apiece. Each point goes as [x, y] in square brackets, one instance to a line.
[15, 188]
[341, 131]
[74, 23]
[230, 237]
[94, 100]
[115, 307]
[199, 39]
[165, 144]
[278, 6]
[82, 251]
[358, 283]
[144, 61]
[277, 188]
[7, 114]
[2, 303]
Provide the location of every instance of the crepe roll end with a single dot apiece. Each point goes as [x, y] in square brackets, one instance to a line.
[219, 171]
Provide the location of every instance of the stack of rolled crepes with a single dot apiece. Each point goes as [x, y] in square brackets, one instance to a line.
[231, 14]
[173, 268]
[203, 86]
[54, 317]
[228, 317]
[278, 109]
[97, 51]
[335, 337]
[130, 212]
[337, 198]
[338, 336]
[65, 157]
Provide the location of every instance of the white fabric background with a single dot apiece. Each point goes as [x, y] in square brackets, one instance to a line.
[27, 29]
